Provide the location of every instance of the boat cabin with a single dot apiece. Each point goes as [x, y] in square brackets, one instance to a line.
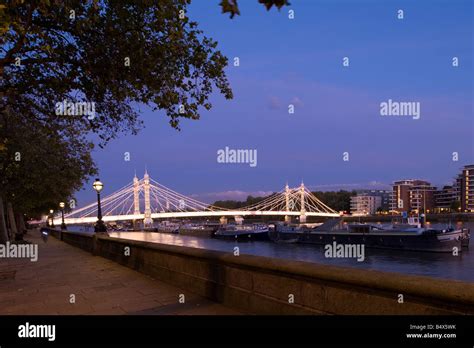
[361, 228]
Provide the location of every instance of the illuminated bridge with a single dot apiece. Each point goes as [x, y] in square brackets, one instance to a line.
[160, 202]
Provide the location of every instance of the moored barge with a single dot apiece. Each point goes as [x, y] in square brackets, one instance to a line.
[373, 236]
[199, 230]
[243, 232]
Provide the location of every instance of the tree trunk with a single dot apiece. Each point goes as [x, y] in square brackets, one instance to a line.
[21, 223]
[3, 226]
[11, 219]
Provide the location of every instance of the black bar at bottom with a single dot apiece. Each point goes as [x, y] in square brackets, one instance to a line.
[291, 331]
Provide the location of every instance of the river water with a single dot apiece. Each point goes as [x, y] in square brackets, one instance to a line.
[438, 265]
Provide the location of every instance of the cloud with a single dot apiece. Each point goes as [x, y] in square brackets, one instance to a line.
[274, 103]
[297, 102]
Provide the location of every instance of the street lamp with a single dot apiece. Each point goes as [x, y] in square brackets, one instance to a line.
[51, 213]
[63, 225]
[99, 226]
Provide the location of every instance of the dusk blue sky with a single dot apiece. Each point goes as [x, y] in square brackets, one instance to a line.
[337, 108]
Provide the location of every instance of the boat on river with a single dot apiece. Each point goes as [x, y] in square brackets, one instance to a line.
[198, 230]
[400, 237]
[243, 232]
[164, 227]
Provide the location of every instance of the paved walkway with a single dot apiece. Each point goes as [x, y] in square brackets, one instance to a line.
[100, 286]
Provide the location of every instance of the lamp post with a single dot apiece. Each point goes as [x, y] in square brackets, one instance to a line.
[51, 213]
[63, 225]
[99, 225]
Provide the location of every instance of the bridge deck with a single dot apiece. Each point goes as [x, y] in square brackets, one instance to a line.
[190, 214]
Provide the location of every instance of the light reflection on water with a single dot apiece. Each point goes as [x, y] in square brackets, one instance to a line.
[438, 265]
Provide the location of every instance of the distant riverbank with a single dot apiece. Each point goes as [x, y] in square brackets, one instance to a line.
[454, 217]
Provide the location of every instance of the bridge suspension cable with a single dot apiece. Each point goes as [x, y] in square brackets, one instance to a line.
[147, 198]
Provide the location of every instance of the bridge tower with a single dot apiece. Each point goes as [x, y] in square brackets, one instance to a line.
[303, 210]
[146, 187]
[287, 203]
[136, 199]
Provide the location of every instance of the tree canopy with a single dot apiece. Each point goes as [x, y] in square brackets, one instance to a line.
[337, 200]
[232, 7]
[231, 204]
[38, 170]
[114, 54]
